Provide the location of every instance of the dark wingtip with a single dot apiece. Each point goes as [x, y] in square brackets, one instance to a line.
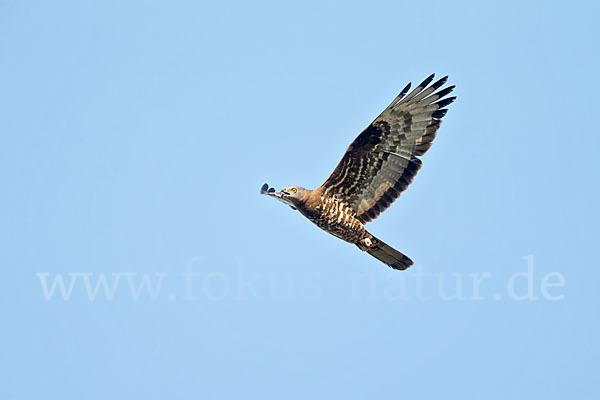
[264, 188]
[440, 82]
[445, 92]
[405, 90]
[445, 102]
[439, 113]
[427, 81]
[271, 190]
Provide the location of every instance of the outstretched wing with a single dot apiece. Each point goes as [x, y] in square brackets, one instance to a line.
[382, 161]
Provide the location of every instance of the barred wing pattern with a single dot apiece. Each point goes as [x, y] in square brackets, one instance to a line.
[382, 161]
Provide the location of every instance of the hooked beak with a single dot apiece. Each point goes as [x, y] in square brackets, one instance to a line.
[265, 189]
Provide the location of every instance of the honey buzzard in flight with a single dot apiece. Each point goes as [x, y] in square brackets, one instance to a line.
[379, 164]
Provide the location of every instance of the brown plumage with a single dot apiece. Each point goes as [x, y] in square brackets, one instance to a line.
[376, 168]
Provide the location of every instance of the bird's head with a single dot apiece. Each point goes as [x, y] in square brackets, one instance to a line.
[293, 196]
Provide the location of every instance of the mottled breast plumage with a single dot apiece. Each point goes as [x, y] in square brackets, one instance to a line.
[335, 217]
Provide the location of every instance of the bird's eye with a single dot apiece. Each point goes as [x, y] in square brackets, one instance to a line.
[294, 190]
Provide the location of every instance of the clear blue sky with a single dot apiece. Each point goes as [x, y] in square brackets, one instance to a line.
[135, 137]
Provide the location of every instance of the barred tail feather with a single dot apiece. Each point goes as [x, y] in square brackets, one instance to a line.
[388, 255]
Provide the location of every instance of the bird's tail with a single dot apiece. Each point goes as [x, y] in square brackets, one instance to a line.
[385, 253]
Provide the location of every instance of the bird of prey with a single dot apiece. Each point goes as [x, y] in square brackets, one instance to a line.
[379, 164]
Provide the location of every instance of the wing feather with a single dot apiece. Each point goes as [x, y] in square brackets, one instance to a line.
[383, 160]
